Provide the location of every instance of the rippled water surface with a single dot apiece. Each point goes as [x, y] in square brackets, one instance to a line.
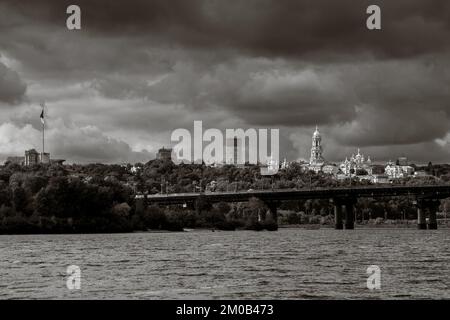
[288, 264]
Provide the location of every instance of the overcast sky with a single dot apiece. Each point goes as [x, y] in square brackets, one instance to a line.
[139, 69]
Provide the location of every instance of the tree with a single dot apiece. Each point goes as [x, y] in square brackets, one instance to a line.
[19, 199]
[5, 194]
[223, 207]
[293, 218]
[202, 204]
[121, 210]
[154, 217]
[361, 172]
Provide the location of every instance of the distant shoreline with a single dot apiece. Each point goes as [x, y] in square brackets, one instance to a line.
[280, 227]
[360, 226]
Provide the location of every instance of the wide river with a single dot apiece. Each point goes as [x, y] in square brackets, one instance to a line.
[287, 264]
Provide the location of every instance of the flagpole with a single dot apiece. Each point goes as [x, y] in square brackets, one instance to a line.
[43, 130]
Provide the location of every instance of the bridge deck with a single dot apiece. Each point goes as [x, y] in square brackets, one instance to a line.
[436, 191]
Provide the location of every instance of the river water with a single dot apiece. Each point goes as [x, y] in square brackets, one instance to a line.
[287, 264]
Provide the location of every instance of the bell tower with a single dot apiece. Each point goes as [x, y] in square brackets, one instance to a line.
[316, 149]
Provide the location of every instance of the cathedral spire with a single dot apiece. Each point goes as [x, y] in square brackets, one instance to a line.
[316, 149]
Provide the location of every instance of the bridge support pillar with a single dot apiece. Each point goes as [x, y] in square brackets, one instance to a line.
[338, 217]
[338, 214]
[350, 214]
[421, 219]
[140, 205]
[271, 224]
[272, 205]
[424, 205]
[432, 219]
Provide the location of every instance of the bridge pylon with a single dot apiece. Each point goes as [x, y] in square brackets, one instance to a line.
[273, 205]
[338, 213]
[350, 213]
[427, 205]
[347, 216]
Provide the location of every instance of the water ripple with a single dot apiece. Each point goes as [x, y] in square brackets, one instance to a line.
[288, 264]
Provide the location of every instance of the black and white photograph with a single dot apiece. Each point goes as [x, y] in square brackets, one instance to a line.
[248, 151]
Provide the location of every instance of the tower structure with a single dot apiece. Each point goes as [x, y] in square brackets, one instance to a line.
[316, 161]
[316, 158]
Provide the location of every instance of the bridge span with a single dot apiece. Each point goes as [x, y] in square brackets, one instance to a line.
[425, 197]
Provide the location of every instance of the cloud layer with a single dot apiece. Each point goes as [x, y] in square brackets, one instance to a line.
[12, 88]
[138, 70]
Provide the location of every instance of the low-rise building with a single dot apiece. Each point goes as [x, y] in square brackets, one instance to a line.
[284, 164]
[164, 154]
[395, 171]
[31, 157]
[330, 169]
[380, 178]
[44, 157]
[57, 161]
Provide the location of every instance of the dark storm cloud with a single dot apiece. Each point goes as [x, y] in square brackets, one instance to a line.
[12, 88]
[270, 63]
[262, 26]
[408, 98]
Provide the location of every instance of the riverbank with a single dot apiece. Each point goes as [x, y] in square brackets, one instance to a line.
[410, 225]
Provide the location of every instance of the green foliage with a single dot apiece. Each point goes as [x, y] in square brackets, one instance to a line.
[100, 198]
[154, 218]
[54, 199]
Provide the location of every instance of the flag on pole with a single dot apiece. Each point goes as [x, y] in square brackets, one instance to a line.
[42, 116]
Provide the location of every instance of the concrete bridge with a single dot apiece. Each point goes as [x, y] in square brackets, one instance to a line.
[426, 198]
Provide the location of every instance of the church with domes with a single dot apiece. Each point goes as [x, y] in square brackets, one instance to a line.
[356, 163]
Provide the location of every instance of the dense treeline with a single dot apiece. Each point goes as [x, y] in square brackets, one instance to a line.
[100, 198]
[46, 199]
